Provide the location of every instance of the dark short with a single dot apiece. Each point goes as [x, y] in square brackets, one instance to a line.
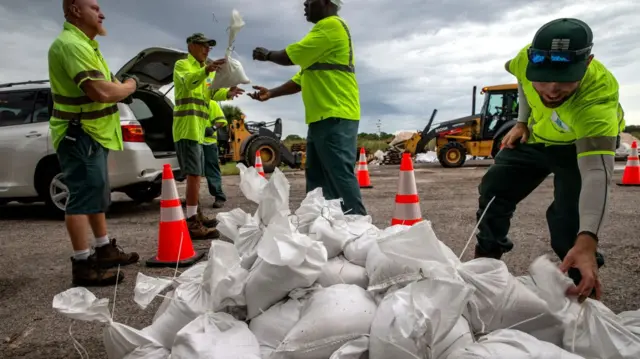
[190, 157]
[84, 165]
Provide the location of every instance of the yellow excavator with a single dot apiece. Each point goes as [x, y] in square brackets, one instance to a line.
[476, 135]
[240, 140]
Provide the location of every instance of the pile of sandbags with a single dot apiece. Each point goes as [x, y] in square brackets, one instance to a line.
[320, 284]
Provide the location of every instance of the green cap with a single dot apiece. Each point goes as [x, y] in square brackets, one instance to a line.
[560, 51]
[199, 38]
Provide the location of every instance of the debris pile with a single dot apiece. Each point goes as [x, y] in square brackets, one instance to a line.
[321, 284]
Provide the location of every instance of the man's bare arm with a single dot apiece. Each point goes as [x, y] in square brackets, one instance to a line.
[108, 92]
[279, 57]
[288, 88]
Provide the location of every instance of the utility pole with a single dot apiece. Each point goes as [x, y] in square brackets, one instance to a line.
[379, 125]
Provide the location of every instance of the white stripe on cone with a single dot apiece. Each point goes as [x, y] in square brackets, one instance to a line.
[407, 183]
[169, 189]
[407, 211]
[171, 214]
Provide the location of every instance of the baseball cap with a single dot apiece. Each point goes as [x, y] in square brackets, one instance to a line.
[337, 3]
[199, 38]
[559, 51]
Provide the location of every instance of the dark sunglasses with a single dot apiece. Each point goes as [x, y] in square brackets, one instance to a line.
[539, 57]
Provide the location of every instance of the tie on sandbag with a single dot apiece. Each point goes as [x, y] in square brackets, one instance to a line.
[231, 73]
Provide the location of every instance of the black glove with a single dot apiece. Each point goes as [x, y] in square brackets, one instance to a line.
[125, 77]
[128, 100]
[208, 132]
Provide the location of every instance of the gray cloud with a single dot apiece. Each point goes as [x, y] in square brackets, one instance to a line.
[411, 56]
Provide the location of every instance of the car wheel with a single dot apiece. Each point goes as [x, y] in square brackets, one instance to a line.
[57, 193]
[145, 194]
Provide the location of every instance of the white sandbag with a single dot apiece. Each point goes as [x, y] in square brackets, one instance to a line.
[163, 306]
[500, 300]
[191, 274]
[354, 349]
[340, 271]
[231, 74]
[309, 210]
[331, 228]
[631, 320]
[357, 249]
[275, 198]
[230, 223]
[188, 302]
[331, 317]
[591, 329]
[249, 236]
[272, 326]
[511, 344]
[223, 277]
[287, 260]
[251, 183]
[119, 339]
[384, 273]
[411, 320]
[149, 352]
[215, 336]
[460, 336]
[147, 288]
[418, 246]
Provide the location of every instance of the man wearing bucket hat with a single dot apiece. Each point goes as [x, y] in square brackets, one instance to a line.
[569, 123]
[331, 99]
[190, 118]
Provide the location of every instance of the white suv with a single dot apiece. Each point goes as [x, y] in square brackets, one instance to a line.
[29, 168]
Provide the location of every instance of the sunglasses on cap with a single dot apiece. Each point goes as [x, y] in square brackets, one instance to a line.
[539, 57]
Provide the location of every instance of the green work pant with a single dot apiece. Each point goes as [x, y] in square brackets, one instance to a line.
[212, 172]
[515, 174]
[331, 157]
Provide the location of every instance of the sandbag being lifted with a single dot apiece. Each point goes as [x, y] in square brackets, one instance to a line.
[231, 73]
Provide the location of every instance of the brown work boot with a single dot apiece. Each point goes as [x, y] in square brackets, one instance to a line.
[218, 204]
[198, 231]
[88, 273]
[111, 255]
[207, 222]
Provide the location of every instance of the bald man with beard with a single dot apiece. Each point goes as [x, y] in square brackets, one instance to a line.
[84, 126]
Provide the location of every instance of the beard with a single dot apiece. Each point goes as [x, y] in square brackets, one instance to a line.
[102, 31]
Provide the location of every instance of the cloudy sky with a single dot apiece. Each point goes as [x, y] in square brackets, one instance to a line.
[411, 55]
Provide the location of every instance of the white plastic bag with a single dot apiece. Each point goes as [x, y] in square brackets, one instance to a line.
[147, 288]
[340, 271]
[215, 336]
[249, 236]
[191, 274]
[230, 223]
[119, 339]
[231, 74]
[287, 260]
[332, 231]
[331, 317]
[309, 210]
[500, 300]
[224, 278]
[411, 320]
[251, 183]
[631, 320]
[149, 351]
[511, 344]
[272, 326]
[357, 249]
[591, 330]
[384, 272]
[353, 349]
[275, 198]
[189, 301]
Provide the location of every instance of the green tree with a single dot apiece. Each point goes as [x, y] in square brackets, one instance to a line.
[293, 137]
[232, 112]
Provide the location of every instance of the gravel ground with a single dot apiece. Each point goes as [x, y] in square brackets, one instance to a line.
[35, 251]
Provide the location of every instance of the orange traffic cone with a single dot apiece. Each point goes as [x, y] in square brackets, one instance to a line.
[631, 175]
[174, 241]
[258, 164]
[363, 171]
[407, 209]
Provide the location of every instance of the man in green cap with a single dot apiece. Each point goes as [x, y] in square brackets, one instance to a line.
[190, 118]
[569, 123]
[331, 99]
[211, 160]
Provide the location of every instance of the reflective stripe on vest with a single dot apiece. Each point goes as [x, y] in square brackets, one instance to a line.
[81, 107]
[318, 66]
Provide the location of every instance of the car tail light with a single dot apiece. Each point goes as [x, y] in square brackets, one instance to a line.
[132, 133]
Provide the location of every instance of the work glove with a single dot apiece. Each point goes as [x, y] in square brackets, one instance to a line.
[125, 77]
[208, 131]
